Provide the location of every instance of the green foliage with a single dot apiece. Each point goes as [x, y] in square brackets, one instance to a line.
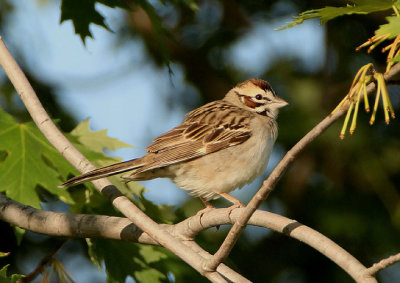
[160, 213]
[9, 279]
[357, 7]
[92, 145]
[31, 162]
[96, 141]
[392, 27]
[395, 59]
[123, 259]
[28, 161]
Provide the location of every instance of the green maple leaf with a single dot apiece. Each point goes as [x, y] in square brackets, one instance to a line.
[96, 141]
[92, 145]
[392, 27]
[123, 259]
[29, 161]
[356, 7]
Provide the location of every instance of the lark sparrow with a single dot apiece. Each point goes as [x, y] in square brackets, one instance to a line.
[220, 146]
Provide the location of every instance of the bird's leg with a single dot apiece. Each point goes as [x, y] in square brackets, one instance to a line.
[236, 203]
[206, 203]
[208, 206]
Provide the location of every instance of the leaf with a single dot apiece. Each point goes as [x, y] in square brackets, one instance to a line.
[96, 141]
[392, 27]
[328, 13]
[84, 13]
[395, 59]
[123, 259]
[160, 213]
[19, 234]
[92, 144]
[6, 279]
[30, 162]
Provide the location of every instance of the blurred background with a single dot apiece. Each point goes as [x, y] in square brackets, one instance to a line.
[346, 189]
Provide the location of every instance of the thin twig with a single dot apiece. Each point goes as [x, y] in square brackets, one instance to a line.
[62, 144]
[270, 182]
[384, 263]
[40, 267]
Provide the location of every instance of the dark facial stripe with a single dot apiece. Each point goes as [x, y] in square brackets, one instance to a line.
[248, 101]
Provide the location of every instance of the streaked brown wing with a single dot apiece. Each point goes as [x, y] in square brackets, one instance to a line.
[210, 128]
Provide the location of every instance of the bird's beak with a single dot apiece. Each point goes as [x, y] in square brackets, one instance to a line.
[278, 103]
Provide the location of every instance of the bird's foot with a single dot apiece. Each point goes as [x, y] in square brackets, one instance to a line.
[208, 207]
[236, 203]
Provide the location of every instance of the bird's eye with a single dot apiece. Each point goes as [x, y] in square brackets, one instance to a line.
[258, 96]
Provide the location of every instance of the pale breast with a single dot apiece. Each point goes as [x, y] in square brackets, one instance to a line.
[230, 168]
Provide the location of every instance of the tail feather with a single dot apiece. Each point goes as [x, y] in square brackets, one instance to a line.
[103, 172]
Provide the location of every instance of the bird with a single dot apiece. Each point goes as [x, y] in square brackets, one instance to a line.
[218, 147]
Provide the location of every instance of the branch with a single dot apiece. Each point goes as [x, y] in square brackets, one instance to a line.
[62, 144]
[384, 263]
[91, 226]
[40, 268]
[269, 184]
[192, 226]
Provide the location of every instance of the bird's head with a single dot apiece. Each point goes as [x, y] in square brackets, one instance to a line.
[257, 96]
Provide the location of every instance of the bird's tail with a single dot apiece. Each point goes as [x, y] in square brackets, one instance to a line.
[103, 172]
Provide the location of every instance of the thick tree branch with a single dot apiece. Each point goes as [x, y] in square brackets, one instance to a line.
[270, 182]
[62, 144]
[91, 226]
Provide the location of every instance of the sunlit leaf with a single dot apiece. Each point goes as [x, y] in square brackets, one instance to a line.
[392, 27]
[31, 161]
[354, 7]
[96, 141]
